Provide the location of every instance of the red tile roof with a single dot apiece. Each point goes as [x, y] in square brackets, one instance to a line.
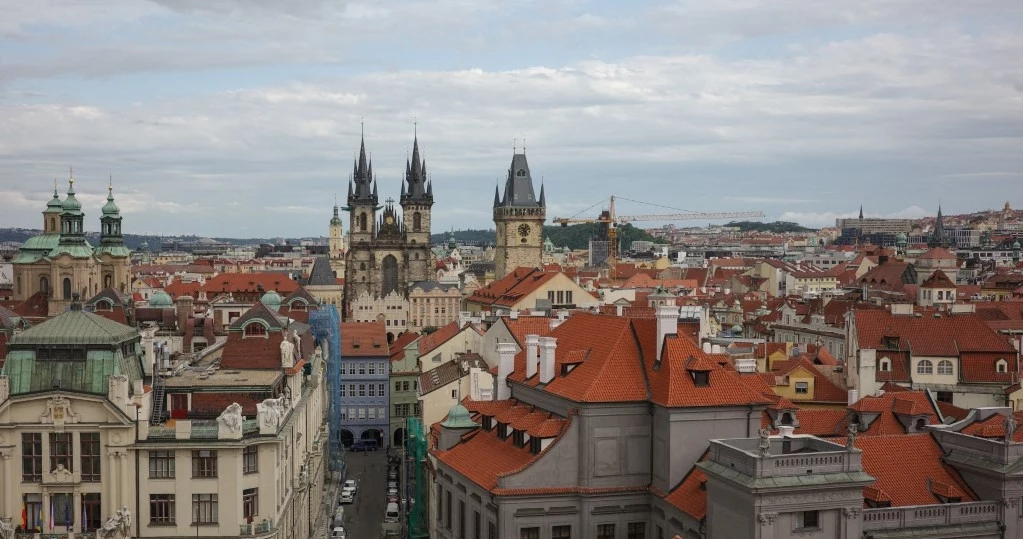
[397, 348]
[938, 279]
[906, 468]
[429, 343]
[937, 253]
[906, 403]
[824, 390]
[927, 335]
[690, 496]
[249, 283]
[527, 325]
[364, 339]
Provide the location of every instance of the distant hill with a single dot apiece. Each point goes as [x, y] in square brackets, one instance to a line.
[573, 237]
[131, 240]
[779, 227]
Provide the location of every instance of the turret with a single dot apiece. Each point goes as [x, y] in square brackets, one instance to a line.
[110, 222]
[51, 215]
[71, 217]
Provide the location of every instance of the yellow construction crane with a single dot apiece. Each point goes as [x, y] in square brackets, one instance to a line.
[613, 220]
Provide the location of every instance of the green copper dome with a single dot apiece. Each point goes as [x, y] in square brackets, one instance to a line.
[458, 418]
[1016, 245]
[110, 208]
[71, 204]
[54, 205]
[160, 299]
[272, 300]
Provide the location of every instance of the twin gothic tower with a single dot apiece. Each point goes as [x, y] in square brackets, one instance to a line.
[389, 248]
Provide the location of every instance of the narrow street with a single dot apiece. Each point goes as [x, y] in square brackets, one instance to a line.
[363, 518]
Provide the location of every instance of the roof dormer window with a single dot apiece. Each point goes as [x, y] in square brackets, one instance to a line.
[1001, 366]
[700, 378]
[255, 329]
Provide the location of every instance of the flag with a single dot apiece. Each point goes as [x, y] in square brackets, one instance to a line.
[67, 515]
[85, 520]
[51, 513]
[24, 518]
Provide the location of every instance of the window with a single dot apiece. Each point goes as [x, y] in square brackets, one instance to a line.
[944, 396]
[250, 459]
[67, 288]
[461, 519]
[161, 509]
[802, 388]
[382, 389]
[33, 511]
[405, 386]
[1001, 365]
[61, 450]
[529, 533]
[362, 413]
[91, 516]
[255, 329]
[372, 390]
[90, 456]
[204, 508]
[925, 367]
[561, 532]
[161, 464]
[204, 463]
[372, 413]
[250, 503]
[808, 519]
[561, 297]
[660, 533]
[61, 512]
[31, 457]
[362, 368]
[568, 297]
[351, 368]
[382, 412]
[454, 393]
[944, 367]
[344, 390]
[440, 501]
[447, 507]
[636, 530]
[886, 365]
[372, 367]
[605, 531]
[491, 530]
[397, 386]
[476, 531]
[362, 390]
[701, 378]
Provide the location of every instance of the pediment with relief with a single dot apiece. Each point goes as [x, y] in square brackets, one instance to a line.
[58, 413]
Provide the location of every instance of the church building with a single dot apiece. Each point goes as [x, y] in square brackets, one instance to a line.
[388, 250]
[60, 262]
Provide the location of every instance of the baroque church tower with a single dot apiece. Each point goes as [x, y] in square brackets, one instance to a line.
[388, 250]
[336, 245]
[519, 217]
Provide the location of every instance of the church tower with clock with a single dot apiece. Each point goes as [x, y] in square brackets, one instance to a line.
[519, 217]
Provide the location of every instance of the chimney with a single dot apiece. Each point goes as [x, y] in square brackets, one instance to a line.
[786, 431]
[667, 324]
[716, 349]
[618, 309]
[184, 310]
[505, 366]
[548, 345]
[706, 347]
[854, 395]
[532, 352]
[513, 314]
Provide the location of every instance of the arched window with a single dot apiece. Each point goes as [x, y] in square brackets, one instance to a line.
[925, 367]
[44, 285]
[521, 173]
[786, 419]
[53, 224]
[107, 281]
[417, 221]
[255, 329]
[362, 266]
[362, 222]
[944, 367]
[920, 424]
[104, 305]
[1001, 366]
[67, 288]
[417, 256]
[886, 365]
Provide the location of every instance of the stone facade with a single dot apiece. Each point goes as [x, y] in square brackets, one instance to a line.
[433, 304]
[519, 219]
[390, 250]
[391, 310]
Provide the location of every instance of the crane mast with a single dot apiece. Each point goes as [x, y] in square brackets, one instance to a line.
[612, 220]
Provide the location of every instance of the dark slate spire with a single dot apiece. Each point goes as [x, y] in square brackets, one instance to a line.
[362, 179]
[518, 189]
[861, 212]
[543, 200]
[497, 196]
[416, 189]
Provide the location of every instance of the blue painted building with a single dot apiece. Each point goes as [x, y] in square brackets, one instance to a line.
[365, 375]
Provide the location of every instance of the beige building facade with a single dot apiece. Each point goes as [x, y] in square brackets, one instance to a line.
[433, 304]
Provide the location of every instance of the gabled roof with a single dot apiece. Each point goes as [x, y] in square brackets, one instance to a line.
[938, 279]
[690, 496]
[429, 343]
[931, 334]
[321, 274]
[449, 371]
[892, 404]
[937, 253]
[259, 311]
[249, 283]
[824, 389]
[364, 339]
[299, 294]
[76, 328]
[397, 348]
[527, 325]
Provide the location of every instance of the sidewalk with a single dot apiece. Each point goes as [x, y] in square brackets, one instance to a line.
[331, 488]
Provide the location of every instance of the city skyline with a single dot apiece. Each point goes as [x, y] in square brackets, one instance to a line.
[210, 113]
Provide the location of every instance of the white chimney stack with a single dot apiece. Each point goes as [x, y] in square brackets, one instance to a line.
[716, 349]
[513, 314]
[667, 324]
[706, 347]
[854, 396]
[786, 431]
[618, 309]
[548, 345]
[505, 366]
[532, 355]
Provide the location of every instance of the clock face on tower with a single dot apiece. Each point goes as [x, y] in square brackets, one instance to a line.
[523, 230]
[389, 220]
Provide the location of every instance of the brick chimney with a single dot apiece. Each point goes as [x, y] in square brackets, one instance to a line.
[667, 324]
[548, 346]
[532, 351]
[184, 310]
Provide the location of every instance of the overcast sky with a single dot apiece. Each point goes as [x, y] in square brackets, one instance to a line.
[242, 117]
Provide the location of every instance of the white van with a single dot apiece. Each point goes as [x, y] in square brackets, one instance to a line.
[391, 514]
[339, 518]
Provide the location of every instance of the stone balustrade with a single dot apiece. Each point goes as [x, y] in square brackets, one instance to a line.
[892, 518]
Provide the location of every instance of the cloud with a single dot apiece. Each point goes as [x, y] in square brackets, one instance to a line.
[228, 110]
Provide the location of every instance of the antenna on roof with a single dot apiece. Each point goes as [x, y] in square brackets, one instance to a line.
[515, 145]
[523, 144]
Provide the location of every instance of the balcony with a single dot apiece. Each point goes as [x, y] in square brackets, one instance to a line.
[786, 457]
[256, 528]
[898, 518]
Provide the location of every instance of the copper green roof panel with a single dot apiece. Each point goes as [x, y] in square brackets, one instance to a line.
[76, 327]
[74, 251]
[27, 374]
[28, 257]
[113, 250]
[42, 242]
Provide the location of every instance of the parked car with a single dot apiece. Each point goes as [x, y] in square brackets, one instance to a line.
[392, 484]
[392, 475]
[347, 496]
[339, 517]
[392, 491]
[338, 533]
[364, 445]
[351, 484]
[391, 514]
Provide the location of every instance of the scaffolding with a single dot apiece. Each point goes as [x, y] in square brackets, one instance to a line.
[326, 325]
[415, 462]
